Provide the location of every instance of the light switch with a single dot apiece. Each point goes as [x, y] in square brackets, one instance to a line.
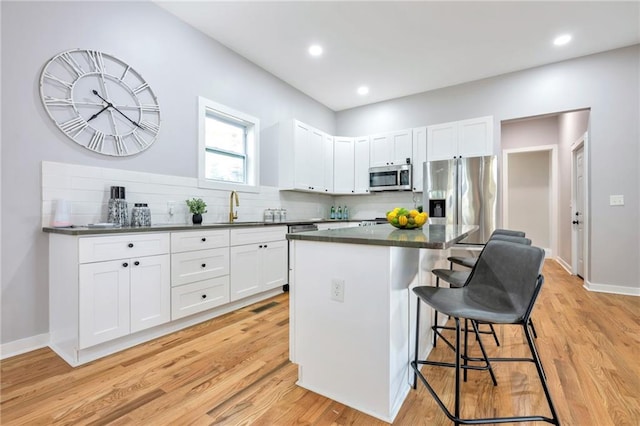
[616, 200]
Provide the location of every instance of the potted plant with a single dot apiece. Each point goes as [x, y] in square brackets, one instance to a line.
[197, 206]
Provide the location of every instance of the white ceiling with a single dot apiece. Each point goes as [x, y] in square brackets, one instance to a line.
[402, 48]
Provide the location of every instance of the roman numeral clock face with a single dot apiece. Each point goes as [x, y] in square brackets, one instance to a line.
[100, 102]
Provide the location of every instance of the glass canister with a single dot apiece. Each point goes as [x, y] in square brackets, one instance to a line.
[268, 215]
[283, 215]
[277, 216]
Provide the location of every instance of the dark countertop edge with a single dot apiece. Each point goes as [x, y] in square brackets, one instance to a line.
[82, 230]
[305, 236]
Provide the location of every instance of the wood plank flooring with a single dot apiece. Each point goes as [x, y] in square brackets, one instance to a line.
[234, 370]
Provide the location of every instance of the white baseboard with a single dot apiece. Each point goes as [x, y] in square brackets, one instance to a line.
[564, 264]
[25, 345]
[612, 289]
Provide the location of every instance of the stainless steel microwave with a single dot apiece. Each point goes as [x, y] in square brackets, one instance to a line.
[390, 178]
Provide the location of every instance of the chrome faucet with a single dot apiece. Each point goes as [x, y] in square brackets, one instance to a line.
[232, 215]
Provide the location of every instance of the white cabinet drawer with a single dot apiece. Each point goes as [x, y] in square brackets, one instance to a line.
[252, 235]
[97, 249]
[199, 240]
[199, 265]
[199, 296]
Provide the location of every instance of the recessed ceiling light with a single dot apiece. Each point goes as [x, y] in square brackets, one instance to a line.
[561, 40]
[315, 50]
[363, 90]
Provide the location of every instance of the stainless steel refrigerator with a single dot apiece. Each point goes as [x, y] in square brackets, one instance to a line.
[463, 191]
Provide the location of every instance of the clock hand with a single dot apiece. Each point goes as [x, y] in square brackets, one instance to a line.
[97, 113]
[109, 104]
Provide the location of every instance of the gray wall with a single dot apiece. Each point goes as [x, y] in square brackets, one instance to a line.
[179, 63]
[608, 83]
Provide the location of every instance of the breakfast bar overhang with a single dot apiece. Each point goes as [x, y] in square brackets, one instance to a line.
[351, 309]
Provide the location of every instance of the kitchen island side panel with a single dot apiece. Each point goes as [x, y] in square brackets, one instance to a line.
[355, 351]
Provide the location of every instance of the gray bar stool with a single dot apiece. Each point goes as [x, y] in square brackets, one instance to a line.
[469, 262]
[457, 279]
[502, 289]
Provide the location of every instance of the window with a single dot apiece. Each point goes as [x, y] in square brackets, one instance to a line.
[228, 148]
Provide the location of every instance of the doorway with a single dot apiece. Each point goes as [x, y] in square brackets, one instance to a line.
[530, 191]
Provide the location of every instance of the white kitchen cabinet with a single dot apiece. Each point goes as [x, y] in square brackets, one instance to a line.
[344, 157]
[391, 148]
[327, 154]
[361, 165]
[302, 157]
[258, 260]
[199, 271]
[419, 157]
[121, 295]
[466, 138]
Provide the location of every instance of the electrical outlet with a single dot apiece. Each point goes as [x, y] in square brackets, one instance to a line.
[171, 207]
[616, 200]
[337, 290]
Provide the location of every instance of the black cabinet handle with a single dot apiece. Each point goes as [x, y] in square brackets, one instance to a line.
[260, 246]
[130, 245]
[204, 265]
[575, 222]
[136, 263]
[265, 246]
[204, 239]
[125, 264]
[204, 296]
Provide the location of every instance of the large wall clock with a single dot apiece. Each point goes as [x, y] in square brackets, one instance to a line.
[100, 102]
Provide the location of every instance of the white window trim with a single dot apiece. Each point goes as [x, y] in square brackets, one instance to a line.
[253, 149]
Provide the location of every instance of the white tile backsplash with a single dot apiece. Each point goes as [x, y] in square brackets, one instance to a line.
[87, 188]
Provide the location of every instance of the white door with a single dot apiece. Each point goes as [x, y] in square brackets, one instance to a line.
[402, 144]
[343, 177]
[361, 165]
[245, 271]
[578, 219]
[273, 264]
[103, 301]
[150, 292]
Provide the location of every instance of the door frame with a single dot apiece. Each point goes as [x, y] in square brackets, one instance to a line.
[553, 195]
[582, 142]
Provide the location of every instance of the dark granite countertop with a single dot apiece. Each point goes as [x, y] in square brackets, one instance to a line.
[83, 230]
[429, 237]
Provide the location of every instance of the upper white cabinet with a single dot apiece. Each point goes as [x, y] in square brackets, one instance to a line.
[344, 155]
[419, 156]
[327, 164]
[303, 157]
[466, 138]
[361, 165]
[391, 148]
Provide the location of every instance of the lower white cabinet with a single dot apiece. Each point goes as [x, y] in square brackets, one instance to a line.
[199, 273]
[259, 265]
[122, 296]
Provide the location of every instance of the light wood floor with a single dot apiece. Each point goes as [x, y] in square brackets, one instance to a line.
[234, 370]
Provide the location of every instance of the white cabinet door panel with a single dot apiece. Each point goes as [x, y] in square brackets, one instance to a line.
[273, 264]
[401, 143]
[475, 137]
[361, 165]
[380, 150]
[150, 292]
[343, 175]
[419, 157]
[327, 164]
[245, 271]
[103, 302]
[442, 141]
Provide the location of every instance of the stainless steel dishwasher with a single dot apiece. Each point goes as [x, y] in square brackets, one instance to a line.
[302, 227]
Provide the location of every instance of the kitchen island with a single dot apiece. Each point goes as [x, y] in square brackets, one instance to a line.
[351, 309]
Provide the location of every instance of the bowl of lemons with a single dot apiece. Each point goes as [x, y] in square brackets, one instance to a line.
[406, 219]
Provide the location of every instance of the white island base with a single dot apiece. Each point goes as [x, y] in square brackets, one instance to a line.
[357, 351]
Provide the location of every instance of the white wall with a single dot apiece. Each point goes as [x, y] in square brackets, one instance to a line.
[529, 195]
[608, 83]
[180, 64]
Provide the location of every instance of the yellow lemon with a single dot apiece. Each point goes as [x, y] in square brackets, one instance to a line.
[402, 220]
[392, 215]
[413, 213]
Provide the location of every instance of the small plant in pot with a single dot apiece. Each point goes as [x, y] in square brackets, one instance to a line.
[197, 206]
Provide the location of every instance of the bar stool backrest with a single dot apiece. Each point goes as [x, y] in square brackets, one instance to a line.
[511, 238]
[506, 277]
[508, 232]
